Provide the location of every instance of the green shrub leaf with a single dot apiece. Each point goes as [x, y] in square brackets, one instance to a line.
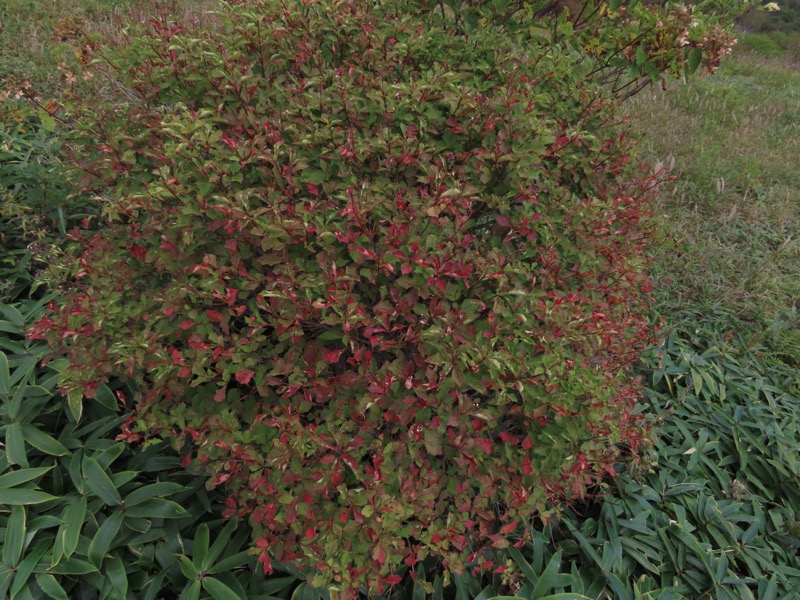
[14, 536]
[99, 482]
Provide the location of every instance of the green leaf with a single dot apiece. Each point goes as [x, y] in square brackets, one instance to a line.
[106, 397]
[99, 482]
[72, 566]
[218, 590]
[75, 404]
[15, 445]
[187, 568]
[51, 587]
[104, 538]
[307, 592]
[74, 516]
[42, 441]
[5, 375]
[547, 579]
[14, 478]
[14, 536]
[28, 564]
[693, 60]
[153, 490]
[232, 562]
[157, 509]
[114, 570]
[5, 582]
[193, 591]
[23, 496]
[565, 597]
[200, 546]
[219, 544]
[523, 564]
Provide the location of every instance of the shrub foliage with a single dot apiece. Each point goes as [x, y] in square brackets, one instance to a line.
[379, 270]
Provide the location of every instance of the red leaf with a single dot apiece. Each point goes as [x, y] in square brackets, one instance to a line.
[503, 221]
[485, 445]
[312, 189]
[311, 533]
[244, 376]
[214, 316]
[393, 579]
[331, 356]
[527, 444]
[138, 252]
[186, 324]
[508, 528]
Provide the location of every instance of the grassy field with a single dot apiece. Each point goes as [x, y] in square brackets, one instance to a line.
[733, 212]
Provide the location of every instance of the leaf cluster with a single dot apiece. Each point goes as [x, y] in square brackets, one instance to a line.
[82, 515]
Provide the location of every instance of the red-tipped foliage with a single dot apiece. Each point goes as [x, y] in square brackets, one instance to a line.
[385, 278]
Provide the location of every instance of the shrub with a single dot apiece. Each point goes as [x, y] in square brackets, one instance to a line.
[85, 516]
[379, 270]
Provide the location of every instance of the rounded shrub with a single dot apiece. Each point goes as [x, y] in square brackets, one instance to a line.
[382, 277]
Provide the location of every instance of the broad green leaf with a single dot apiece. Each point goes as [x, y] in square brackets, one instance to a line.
[12, 313]
[306, 592]
[5, 582]
[23, 496]
[200, 547]
[547, 579]
[5, 375]
[75, 404]
[523, 564]
[157, 509]
[187, 568]
[72, 566]
[14, 536]
[28, 564]
[486, 593]
[193, 591]
[693, 60]
[74, 516]
[153, 490]
[15, 445]
[275, 586]
[104, 538]
[14, 478]
[114, 570]
[232, 562]
[216, 549]
[771, 590]
[51, 587]
[43, 441]
[218, 590]
[106, 397]
[565, 597]
[153, 586]
[99, 482]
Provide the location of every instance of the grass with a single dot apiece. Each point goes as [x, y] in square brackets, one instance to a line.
[36, 37]
[733, 212]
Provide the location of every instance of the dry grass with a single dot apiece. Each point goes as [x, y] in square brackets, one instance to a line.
[734, 212]
[39, 39]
